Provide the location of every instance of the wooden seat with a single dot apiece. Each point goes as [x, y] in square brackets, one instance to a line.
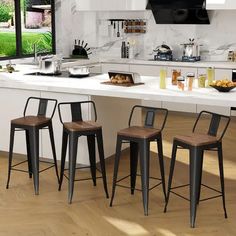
[72, 131]
[31, 125]
[81, 126]
[139, 132]
[139, 138]
[197, 143]
[195, 139]
[30, 120]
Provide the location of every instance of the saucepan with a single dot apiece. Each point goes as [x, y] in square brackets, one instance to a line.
[79, 71]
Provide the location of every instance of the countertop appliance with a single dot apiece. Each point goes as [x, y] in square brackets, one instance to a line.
[163, 53]
[179, 11]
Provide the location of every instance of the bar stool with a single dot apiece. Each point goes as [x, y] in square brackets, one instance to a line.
[31, 124]
[139, 138]
[75, 129]
[197, 143]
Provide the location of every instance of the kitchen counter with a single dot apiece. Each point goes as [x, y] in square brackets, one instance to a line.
[203, 64]
[92, 86]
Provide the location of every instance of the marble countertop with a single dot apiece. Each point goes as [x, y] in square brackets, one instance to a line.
[93, 86]
[73, 62]
[204, 64]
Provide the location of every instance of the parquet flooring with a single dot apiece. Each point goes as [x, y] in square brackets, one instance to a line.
[22, 213]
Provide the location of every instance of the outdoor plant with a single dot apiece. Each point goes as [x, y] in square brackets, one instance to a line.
[5, 12]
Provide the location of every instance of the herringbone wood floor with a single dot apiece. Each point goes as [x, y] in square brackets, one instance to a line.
[23, 213]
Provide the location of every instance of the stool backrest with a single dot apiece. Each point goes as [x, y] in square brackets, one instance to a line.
[150, 115]
[216, 120]
[42, 109]
[76, 110]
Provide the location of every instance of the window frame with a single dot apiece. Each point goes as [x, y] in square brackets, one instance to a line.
[18, 32]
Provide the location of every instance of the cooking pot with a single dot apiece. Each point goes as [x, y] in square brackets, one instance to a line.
[79, 71]
[50, 65]
[163, 49]
[191, 49]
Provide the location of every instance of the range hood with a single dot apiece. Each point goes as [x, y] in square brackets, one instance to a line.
[179, 11]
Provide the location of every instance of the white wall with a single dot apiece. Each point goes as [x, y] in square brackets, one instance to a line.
[217, 38]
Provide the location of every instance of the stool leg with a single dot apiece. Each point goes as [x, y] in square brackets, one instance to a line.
[194, 172]
[92, 157]
[161, 163]
[116, 166]
[221, 168]
[133, 164]
[12, 134]
[200, 181]
[73, 144]
[28, 153]
[144, 169]
[53, 149]
[171, 173]
[63, 157]
[102, 160]
[34, 150]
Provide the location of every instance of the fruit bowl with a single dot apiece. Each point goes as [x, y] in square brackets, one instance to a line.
[223, 89]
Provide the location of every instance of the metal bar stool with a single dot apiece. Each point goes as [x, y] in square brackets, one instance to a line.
[75, 129]
[31, 124]
[139, 138]
[197, 143]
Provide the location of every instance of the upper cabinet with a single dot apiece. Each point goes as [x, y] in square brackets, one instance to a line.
[220, 4]
[111, 5]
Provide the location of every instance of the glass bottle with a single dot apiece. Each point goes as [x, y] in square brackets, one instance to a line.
[190, 81]
[175, 74]
[210, 75]
[162, 78]
[201, 80]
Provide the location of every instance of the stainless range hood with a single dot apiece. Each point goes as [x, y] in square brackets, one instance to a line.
[179, 11]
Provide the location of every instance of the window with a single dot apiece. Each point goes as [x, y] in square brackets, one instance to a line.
[25, 24]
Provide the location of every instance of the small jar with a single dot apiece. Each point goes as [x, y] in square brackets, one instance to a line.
[201, 81]
[180, 82]
[190, 81]
[231, 56]
[175, 74]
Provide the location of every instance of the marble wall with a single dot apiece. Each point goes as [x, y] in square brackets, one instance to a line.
[217, 38]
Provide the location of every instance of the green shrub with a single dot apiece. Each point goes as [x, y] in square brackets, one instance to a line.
[5, 12]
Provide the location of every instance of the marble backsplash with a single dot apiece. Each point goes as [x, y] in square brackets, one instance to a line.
[216, 39]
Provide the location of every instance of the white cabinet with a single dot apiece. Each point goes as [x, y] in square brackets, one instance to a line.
[82, 157]
[217, 109]
[146, 70]
[117, 67]
[110, 5]
[220, 4]
[182, 107]
[12, 102]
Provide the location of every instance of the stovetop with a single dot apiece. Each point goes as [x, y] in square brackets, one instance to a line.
[64, 74]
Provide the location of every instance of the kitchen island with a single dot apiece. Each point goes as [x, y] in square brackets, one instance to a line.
[113, 103]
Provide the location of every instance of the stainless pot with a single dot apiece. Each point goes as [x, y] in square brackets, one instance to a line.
[191, 49]
[50, 65]
[163, 49]
[79, 71]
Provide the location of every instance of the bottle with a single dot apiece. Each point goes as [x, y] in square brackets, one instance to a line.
[190, 81]
[127, 50]
[123, 50]
[162, 78]
[210, 75]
